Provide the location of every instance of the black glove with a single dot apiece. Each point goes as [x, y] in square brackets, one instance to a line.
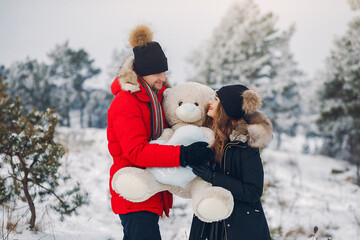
[204, 171]
[195, 154]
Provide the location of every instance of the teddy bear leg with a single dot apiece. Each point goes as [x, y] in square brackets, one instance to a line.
[135, 184]
[211, 204]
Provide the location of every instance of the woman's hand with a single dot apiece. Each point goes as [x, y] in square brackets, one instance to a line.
[204, 171]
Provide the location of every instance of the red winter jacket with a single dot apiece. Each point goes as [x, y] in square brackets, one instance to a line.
[128, 134]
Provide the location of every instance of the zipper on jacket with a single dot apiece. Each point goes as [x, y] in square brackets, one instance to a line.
[225, 230]
[202, 230]
[226, 147]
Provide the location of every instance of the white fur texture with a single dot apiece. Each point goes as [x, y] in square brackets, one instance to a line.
[188, 113]
[211, 204]
[135, 184]
[207, 212]
[179, 176]
[187, 93]
[210, 136]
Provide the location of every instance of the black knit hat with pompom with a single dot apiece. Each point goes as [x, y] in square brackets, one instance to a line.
[231, 99]
[237, 100]
[148, 54]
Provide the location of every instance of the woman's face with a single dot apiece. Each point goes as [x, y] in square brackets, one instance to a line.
[214, 103]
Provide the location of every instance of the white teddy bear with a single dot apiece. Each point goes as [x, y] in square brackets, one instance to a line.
[185, 108]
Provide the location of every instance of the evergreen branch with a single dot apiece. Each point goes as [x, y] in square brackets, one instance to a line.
[12, 176]
[49, 190]
[35, 160]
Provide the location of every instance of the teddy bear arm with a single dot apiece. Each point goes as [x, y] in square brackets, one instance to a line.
[136, 184]
[209, 203]
[166, 135]
[209, 134]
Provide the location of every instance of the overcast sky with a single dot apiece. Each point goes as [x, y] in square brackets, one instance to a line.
[33, 27]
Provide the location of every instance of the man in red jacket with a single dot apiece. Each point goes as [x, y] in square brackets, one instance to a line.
[135, 117]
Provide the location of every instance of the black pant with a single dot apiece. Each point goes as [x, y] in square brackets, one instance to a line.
[140, 226]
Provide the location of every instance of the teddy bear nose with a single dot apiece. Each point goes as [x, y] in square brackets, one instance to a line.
[189, 107]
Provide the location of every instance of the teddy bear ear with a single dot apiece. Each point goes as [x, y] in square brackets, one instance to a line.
[251, 101]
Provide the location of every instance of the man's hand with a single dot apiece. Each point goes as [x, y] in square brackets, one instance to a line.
[196, 154]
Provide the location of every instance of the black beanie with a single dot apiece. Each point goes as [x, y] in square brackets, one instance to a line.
[232, 100]
[149, 59]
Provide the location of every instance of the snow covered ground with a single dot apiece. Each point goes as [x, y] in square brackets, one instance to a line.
[301, 192]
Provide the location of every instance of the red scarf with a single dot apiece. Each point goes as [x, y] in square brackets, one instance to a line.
[155, 109]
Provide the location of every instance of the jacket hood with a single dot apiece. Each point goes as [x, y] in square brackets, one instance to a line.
[255, 129]
[127, 79]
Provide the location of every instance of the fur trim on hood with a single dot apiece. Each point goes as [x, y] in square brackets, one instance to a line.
[255, 129]
[128, 78]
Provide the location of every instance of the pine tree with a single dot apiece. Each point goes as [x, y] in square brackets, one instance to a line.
[29, 80]
[2, 71]
[246, 48]
[99, 102]
[70, 69]
[32, 158]
[340, 98]
[310, 104]
[281, 97]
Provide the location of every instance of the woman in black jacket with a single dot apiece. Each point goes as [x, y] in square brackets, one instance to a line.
[238, 167]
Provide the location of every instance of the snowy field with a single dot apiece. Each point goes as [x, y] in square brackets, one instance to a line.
[302, 191]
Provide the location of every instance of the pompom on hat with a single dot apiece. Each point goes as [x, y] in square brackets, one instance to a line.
[238, 100]
[149, 57]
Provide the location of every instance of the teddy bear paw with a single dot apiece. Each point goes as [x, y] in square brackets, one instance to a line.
[132, 184]
[215, 205]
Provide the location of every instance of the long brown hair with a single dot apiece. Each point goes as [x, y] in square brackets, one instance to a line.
[222, 126]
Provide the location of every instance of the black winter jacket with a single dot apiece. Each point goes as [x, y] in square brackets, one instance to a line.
[241, 172]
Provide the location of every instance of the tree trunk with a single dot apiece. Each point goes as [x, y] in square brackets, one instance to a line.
[358, 172]
[355, 151]
[90, 120]
[67, 116]
[278, 144]
[30, 202]
[27, 194]
[82, 106]
[67, 110]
